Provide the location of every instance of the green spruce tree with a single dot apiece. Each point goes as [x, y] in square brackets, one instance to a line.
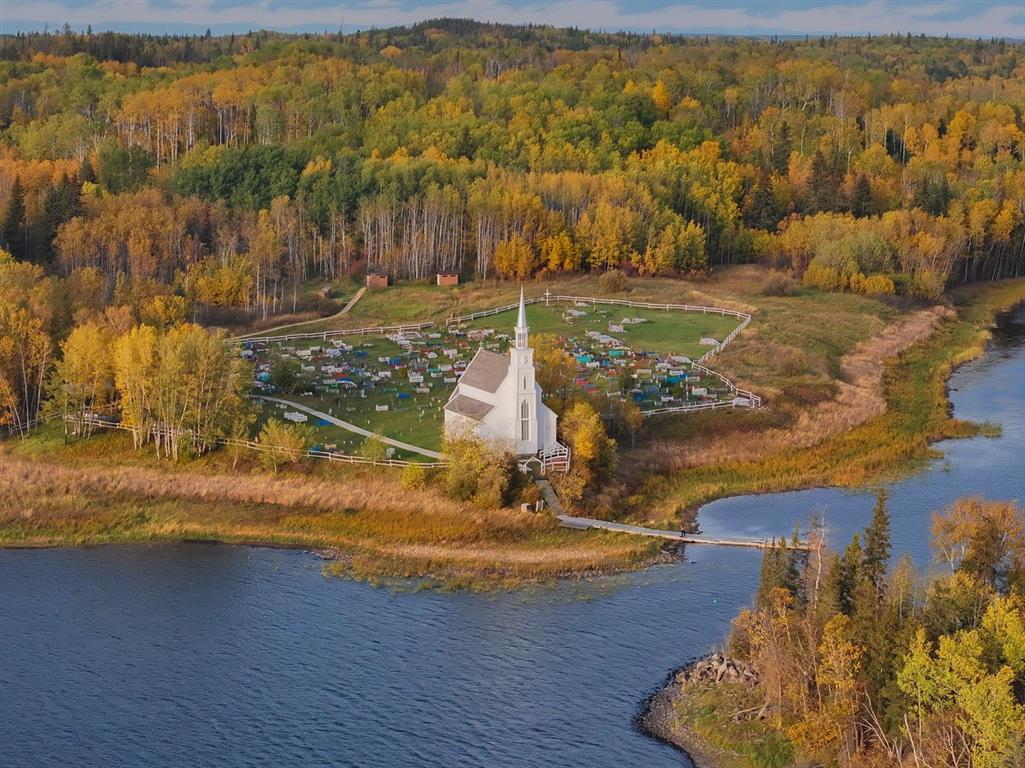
[780, 155]
[13, 234]
[861, 199]
[877, 543]
[779, 571]
[845, 575]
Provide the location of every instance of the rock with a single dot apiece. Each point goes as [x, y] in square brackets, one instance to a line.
[717, 668]
[659, 719]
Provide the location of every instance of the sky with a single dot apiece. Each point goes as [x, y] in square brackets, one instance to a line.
[957, 18]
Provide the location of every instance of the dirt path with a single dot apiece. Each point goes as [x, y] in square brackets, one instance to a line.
[859, 398]
[343, 311]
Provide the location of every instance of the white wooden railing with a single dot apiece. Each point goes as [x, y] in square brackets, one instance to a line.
[751, 399]
[380, 330]
[547, 297]
[344, 458]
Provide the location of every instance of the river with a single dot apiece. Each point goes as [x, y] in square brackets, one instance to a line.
[210, 655]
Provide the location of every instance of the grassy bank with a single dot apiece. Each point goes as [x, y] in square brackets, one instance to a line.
[99, 491]
[808, 352]
[917, 413]
[699, 722]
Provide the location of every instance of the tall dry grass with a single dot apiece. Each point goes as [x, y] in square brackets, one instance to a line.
[377, 527]
[916, 413]
[858, 397]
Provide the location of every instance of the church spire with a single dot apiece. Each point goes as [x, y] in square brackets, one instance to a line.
[521, 324]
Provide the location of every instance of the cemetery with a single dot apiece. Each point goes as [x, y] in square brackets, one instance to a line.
[397, 385]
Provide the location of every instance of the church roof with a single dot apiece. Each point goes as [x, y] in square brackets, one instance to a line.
[486, 371]
[469, 407]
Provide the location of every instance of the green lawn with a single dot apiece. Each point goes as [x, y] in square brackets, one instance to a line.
[418, 418]
[667, 332]
[401, 423]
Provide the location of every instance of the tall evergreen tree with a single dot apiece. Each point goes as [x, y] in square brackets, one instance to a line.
[877, 543]
[762, 210]
[13, 234]
[780, 154]
[779, 570]
[86, 172]
[60, 204]
[825, 182]
[861, 200]
[845, 575]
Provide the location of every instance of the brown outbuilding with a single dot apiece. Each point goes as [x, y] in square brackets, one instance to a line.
[377, 280]
[448, 278]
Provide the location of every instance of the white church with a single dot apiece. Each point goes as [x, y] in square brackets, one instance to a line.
[498, 400]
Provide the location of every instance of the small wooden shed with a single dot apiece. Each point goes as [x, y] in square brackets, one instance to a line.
[377, 280]
[448, 278]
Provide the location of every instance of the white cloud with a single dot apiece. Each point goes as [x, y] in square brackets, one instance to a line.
[875, 16]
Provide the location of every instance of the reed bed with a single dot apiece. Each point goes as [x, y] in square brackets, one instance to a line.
[916, 413]
[373, 526]
[857, 397]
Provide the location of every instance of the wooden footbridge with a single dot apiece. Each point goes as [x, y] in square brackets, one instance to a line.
[589, 523]
[586, 523]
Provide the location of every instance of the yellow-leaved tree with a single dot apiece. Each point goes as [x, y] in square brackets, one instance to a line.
[82, 383]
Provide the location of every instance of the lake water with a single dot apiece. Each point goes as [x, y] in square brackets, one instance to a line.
[991, 389]
[224, 656]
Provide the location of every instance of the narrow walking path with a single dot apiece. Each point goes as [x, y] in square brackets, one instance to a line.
[343, 311]
[550, 497]
[352, 427]
[586, 523]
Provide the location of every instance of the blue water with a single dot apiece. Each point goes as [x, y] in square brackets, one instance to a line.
[989, 389]
[210, 655]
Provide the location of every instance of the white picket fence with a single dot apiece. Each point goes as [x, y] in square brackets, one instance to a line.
[11, 430]
[379, 330]
[547, 297]
[253, 445]
[711, 405]
[751, 399]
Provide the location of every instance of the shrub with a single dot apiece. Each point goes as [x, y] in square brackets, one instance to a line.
[833, 279]
[374, 448]
[613, 281]
[415, 477]
[879, 285]
[777, 284]
[283, 444]
[478, 473]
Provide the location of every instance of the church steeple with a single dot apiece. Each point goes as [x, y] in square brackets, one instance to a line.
[524, 405]
[522, 330]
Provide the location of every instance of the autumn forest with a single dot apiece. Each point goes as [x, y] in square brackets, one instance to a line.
[225, 171]
[859, 196]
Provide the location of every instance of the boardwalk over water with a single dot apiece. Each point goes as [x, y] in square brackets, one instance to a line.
[589, 523]
[586, 523]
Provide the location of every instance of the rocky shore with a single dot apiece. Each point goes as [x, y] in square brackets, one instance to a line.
[660, 720]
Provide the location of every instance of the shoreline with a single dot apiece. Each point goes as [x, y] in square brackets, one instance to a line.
[902, 435]
[656, 720]
[660, 719]
[337, 563]
[539, 553]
